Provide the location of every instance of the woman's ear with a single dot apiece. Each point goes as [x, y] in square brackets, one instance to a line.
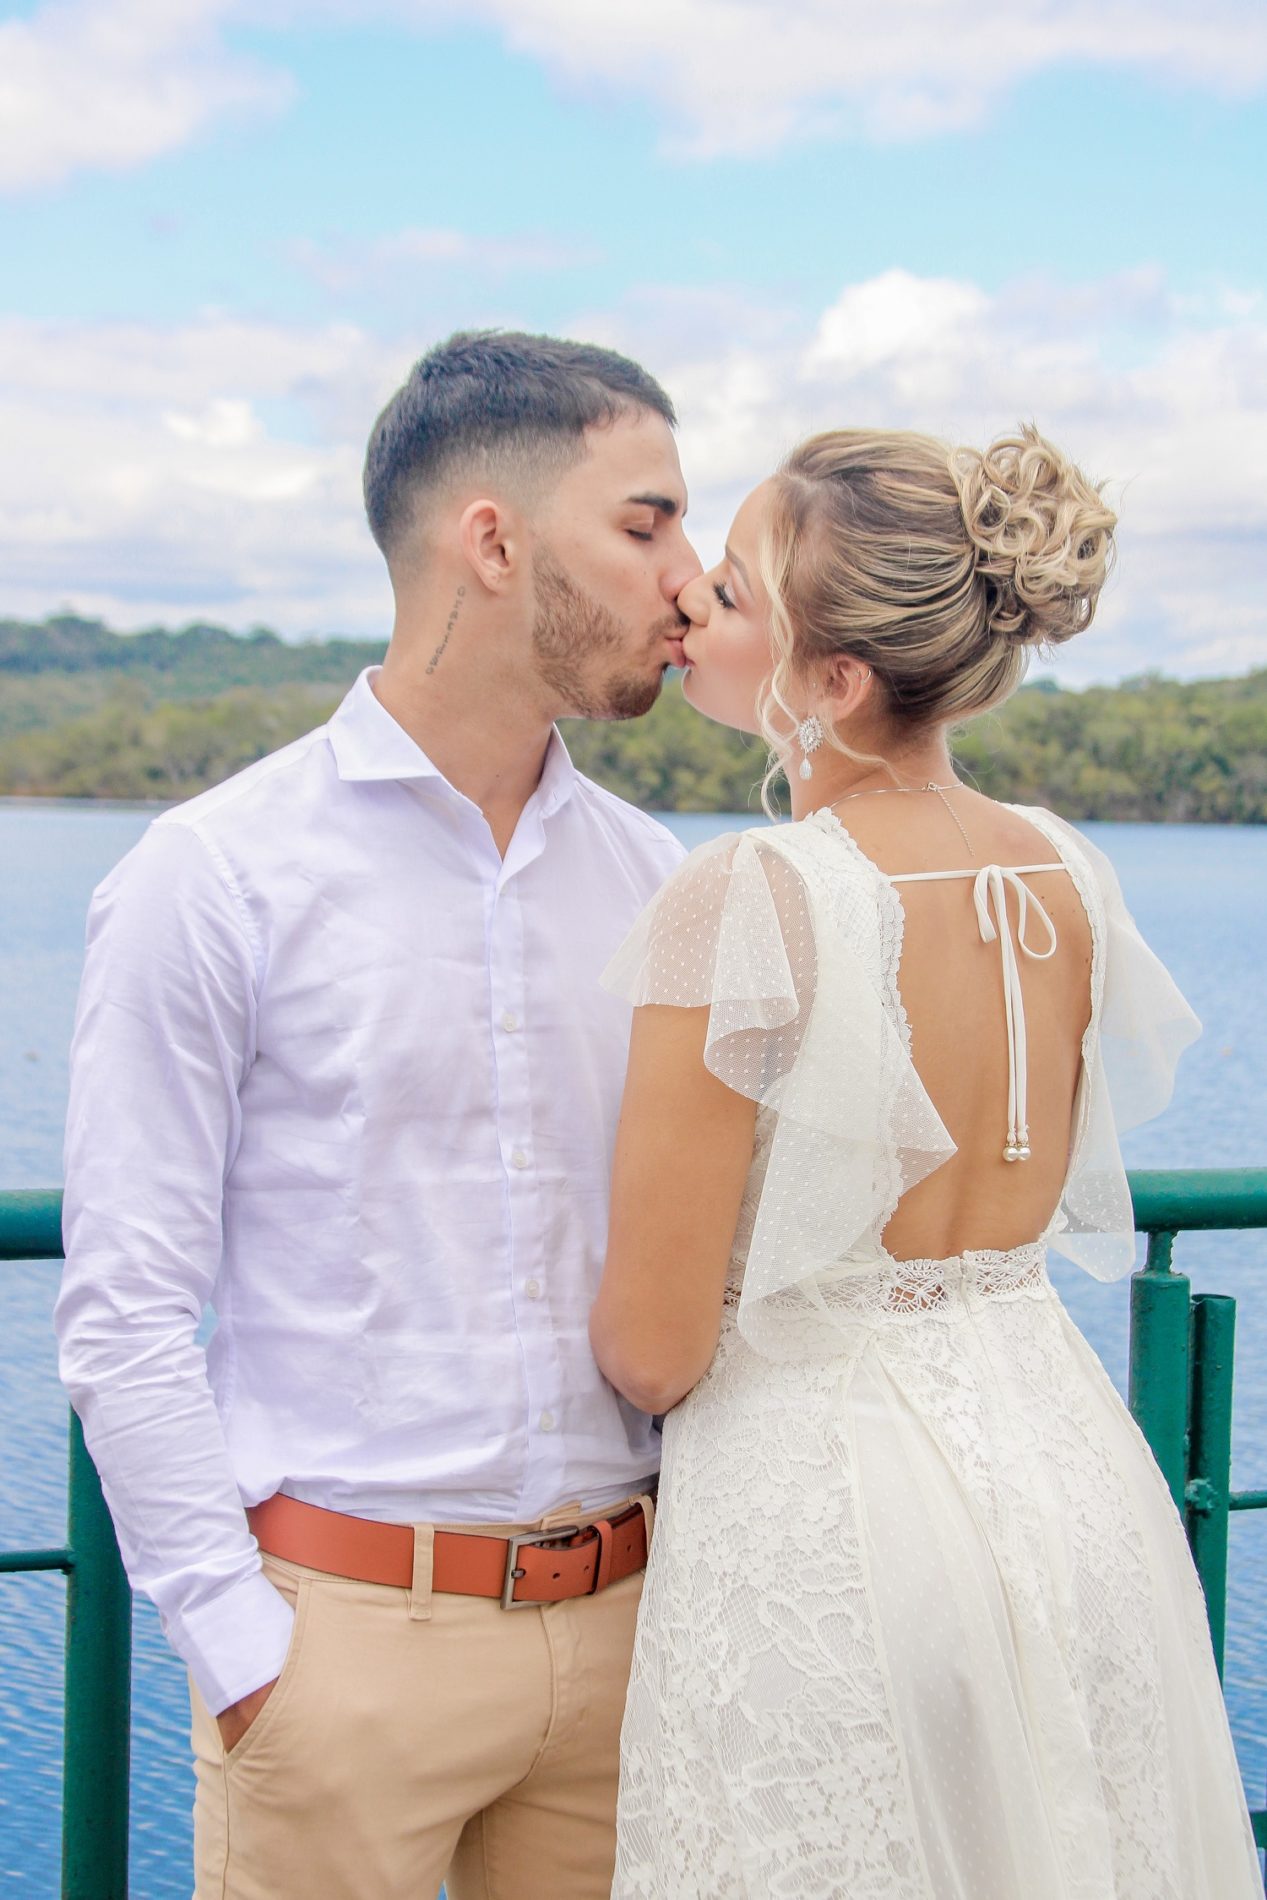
[847, 686]
[490, 541]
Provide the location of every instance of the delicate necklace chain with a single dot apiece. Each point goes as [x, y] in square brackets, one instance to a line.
[876, 791]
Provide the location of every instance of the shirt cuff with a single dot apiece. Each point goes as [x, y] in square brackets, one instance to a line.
[235, 1642]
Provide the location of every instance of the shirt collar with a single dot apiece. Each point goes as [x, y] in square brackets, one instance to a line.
[369, 744]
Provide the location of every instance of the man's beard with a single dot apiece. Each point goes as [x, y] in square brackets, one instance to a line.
[572, 633]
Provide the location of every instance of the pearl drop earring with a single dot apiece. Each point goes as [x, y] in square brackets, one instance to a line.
[809, 736]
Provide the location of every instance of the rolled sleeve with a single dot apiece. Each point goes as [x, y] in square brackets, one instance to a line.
[164, 1037]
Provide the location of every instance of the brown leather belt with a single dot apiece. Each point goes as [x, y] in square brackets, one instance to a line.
[529, 1567]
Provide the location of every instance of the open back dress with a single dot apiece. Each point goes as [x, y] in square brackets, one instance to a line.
[920, 1621]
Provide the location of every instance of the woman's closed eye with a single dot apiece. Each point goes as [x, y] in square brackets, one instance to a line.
[722, 595]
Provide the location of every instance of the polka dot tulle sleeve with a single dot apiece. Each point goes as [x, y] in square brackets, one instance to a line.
[799, 1023]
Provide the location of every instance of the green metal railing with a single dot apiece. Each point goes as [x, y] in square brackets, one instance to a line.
[1180, 1392]
[98, 1694]
[1181, 1356]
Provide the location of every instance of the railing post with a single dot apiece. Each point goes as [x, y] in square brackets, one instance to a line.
[98, 1694]
[1210, 1453]
[1159, 1363]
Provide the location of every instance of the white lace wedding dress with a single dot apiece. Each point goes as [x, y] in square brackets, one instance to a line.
[920, 1621]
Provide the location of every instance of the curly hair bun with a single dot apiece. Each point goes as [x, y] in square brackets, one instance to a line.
[1043, 535]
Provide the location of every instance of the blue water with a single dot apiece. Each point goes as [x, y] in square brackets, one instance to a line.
[1200, 894]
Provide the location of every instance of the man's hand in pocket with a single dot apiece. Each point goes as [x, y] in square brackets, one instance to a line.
[238, 1717]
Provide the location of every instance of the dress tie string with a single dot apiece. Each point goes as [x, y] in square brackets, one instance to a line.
[989, 895]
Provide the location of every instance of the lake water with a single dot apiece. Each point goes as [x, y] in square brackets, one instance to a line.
[1200, 895]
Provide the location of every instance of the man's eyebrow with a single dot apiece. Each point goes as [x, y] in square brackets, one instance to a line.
[664, 504]
[734, 560]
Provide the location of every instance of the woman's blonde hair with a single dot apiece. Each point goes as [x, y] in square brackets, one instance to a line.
[939, 568]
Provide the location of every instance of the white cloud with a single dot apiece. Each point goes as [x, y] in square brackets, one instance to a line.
[215, 470]
[110, 84]
[211, 471]
[1170, 410]
[750, 75]
[341, 264]
[890, 317]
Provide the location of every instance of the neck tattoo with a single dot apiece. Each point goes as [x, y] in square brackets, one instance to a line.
[449, 625]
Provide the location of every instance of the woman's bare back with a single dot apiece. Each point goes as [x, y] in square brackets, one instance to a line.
[953, 990]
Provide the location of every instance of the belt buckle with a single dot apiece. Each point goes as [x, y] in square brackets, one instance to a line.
[559, 1535]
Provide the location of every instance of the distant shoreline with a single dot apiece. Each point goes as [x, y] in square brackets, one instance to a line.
[34, 802]
[88, 716]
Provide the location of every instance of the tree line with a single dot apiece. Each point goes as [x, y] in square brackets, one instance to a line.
[87, 713]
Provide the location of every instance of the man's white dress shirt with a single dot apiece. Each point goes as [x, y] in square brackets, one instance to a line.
[347, 1076]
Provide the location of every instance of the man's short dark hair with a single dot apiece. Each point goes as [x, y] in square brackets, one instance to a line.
[496, 401]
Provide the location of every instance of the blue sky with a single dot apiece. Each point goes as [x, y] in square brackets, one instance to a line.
[223, 238]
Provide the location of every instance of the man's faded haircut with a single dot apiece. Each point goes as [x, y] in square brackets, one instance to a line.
[494, 404]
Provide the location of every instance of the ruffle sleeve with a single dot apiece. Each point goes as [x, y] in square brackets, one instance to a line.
[797, 1024]
[1140, 1026]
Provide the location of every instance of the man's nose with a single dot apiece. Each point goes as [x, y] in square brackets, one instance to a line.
[684, 568]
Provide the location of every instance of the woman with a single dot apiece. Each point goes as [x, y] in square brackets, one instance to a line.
[920, 1619]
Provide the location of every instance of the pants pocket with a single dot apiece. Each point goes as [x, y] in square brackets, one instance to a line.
[298, 1593]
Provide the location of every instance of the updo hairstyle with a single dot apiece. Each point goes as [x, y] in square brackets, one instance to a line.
[939, 568]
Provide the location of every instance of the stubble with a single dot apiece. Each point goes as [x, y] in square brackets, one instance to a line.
[582, 649]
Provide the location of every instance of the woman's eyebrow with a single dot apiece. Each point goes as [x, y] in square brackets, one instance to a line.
[734, 560]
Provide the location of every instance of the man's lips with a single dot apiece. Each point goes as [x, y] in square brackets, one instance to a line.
[677, 649]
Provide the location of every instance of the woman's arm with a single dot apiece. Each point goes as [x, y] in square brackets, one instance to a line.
[683, 1150]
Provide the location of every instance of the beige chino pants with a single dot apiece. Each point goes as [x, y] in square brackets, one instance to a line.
[414, 1739]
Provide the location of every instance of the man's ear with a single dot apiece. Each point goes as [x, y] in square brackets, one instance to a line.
[491, 540]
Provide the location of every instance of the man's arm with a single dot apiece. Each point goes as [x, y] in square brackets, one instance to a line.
[164, 1037]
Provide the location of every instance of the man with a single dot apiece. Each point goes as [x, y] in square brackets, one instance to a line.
[343, 1070]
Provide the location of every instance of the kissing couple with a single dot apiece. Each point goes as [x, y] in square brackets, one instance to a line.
[492, 1130]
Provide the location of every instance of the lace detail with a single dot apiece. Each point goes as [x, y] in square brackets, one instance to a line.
[919, 1286]
[920, 1621]
[890, 918]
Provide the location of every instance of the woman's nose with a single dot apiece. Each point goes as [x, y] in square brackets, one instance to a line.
[692, 599]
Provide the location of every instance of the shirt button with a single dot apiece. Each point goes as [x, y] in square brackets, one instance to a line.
[533, 1289]
[509, 1019]
[547, 1421]
[519, 1159]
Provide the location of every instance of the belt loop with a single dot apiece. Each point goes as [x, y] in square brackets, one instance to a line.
[647, 1503]
[603, 1575]
[420, 1587]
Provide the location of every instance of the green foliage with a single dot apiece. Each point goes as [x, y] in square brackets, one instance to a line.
[86, 713]
[127, 749]
[1150, 749]
[65, 667]
[672, 760]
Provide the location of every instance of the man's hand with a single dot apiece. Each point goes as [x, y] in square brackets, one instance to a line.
[238, 1717]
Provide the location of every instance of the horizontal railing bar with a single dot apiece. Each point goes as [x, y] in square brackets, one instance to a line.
[1247, 1501]
[16, 1560]
[1173, 1199]
[1166, 1200]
